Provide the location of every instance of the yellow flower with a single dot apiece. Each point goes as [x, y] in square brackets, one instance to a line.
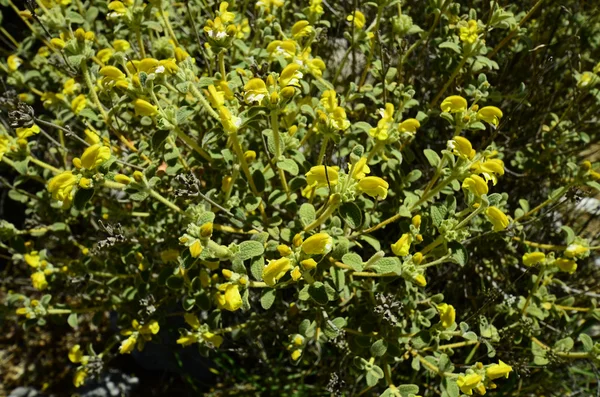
[462, 147]
[32, 259]
[490, 169]
[499, 370]
[447, 315]
[575, 250]
[187, 340]
[231, 124]
[358, 18]
[296, 273]
[317, 175]
[61, 187]
[267, 4]
[192, 320]
[317, 244]
[409, 125]
[416, 221]
[476, 184]
[169, 66]
[360, 169]
[285, 48]
[454, 104]
[374, 186]
[14, 63]
[490, 114]
[420, 280]
[216, 340]
[196, 249]
[112, 72]
[225, 15]
[38, 279]
[78, 103]
[468, 383]
[381, 132]
[566, 265]
[533, 258]
[121, 45]
[105, 54]
[151, 328]
[290, 75]
[79, 377]
[587, 79]
[231, 300]
[124, 179]
[128, 345]
[4, 145]
[309, 264]
[75, 354]
[70, 87]
[284, 250]
[468, 33]
[296, 354]
[497, 217]
[216, 98]
[58, 43]
[249, 156]
[402, 246]
[181, 54]
[85, 183]
[275, 270]
[316, 7]
[301, 29]
[144, 108]
[94, 156]
[255, 90]
[118, 7]
[43, 51]
[24, 133]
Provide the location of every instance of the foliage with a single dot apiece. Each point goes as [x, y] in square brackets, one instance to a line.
[351, 198]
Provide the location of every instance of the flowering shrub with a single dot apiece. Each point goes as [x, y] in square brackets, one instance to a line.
[386, 198]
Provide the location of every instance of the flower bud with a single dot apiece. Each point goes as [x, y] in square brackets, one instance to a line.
[250, 156]
[227, 273]
[417, 258]
[58, 43]
[288, 92]
[85, 183]
[206, 229]
[138, 176]
[124, 179]
[416, 221]
[80, 34]
[284, 250]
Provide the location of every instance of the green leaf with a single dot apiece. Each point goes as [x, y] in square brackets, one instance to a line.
[351, 214]
[267, 298]
[414, 176]
[338, 277]
[438, 213]
[159, 138]
[432, 157]
[17, 196]
[82, 197]
[174, 282]
[570, 234]
[452, 46]
[250, 249]
[72, 320]
[588, 343]
[354, 261]
[460, 255]
[373, 375]
[288, 165]
[318, 293]
[75, 17]
[378, 348]
[307, 214]
[405, 390]
[564, 345]
[333, 328]
[256, 267]
[259, 180]
[372, 241]
[388, 265]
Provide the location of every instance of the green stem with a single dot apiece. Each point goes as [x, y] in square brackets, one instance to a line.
[163, 200]
[561, 193]
[90, 87]
[276, 139]
[168, 25]
[450, 80]
[193, 144]
[44, 165]
[334, 202]
[533, 290]
[194, 90]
